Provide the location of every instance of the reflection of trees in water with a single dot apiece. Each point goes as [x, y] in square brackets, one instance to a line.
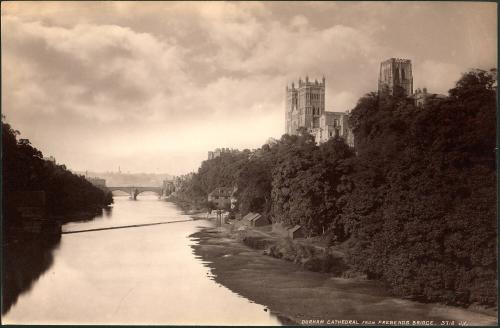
[23, 263]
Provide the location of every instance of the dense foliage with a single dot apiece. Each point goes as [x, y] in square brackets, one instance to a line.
[218, 172]
[307, 184]
[24, 169]
[416, 202]
[422, 214]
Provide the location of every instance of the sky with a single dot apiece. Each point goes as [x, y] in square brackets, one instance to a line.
[152, 86]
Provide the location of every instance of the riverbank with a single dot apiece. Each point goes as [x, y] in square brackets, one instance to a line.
[82, 215]
[196, 212]
[305, 297]
[185, 205]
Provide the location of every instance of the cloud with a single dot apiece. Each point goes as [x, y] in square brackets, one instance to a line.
[436, 76]
[105, 72]
[116, 78]
[342, 101]
[299, 22]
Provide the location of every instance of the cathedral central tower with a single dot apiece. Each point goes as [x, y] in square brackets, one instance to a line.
[395, 74]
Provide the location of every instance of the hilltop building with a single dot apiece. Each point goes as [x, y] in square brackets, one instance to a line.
[422, 97]
[331, 124]
[395, 73]
[305, 108]
[218, 151]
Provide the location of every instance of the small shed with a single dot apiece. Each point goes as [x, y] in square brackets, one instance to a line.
[296, 232]
[259, 221]
[247, 219]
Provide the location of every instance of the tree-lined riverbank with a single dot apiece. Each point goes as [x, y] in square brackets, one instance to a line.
[38, 196]
[64, 196]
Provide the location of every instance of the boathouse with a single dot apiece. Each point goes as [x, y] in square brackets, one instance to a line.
[259, 221]
[296, 232]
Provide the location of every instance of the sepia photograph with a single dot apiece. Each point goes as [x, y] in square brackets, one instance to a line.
[249, 163]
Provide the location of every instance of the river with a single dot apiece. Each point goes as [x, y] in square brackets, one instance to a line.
[143, 275]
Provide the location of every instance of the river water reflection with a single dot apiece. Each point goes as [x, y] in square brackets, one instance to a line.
[145, 275]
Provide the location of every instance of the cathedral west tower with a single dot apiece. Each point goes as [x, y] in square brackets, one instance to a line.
[305, 103]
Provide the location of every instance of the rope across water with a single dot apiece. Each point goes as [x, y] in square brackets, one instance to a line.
[123, 227]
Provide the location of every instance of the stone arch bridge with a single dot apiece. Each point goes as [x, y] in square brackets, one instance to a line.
[134, 191]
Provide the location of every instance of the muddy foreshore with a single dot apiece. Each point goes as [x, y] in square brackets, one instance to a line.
[303, 297]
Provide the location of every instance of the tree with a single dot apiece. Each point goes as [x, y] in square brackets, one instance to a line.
[305, 184]
[24, 169]
[422, 207]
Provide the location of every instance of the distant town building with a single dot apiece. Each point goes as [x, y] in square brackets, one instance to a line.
[98, 182]
[221, 197]
[395, 73]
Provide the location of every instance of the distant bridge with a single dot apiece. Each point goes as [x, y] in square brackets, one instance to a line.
[134, 191]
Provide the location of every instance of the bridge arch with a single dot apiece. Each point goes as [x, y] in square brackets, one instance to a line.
[122, 190]
[134, 191]
[154, 191]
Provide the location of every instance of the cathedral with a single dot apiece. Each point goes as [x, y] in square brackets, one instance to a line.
[305, 107]
[305, 102]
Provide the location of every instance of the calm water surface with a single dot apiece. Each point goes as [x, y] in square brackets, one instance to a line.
[145, 275]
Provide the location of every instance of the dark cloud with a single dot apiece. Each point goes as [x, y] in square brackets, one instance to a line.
[115, 79]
